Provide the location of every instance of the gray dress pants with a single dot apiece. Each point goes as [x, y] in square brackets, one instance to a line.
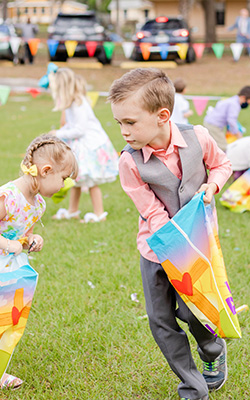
[162, 301]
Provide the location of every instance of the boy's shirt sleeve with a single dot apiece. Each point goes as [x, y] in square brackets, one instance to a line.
[216, 161]
[148, 205]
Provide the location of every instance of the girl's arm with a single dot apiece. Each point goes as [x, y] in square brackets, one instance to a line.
[10, 246]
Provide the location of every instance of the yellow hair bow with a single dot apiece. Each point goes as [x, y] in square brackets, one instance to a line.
[31, 170]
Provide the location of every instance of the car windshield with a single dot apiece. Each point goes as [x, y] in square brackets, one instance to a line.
[75, 21]
[171, 24]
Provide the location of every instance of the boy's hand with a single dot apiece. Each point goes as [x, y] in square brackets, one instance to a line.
[35, 243]
[210, 189]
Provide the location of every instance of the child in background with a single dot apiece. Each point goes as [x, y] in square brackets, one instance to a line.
[225, 116]
[47, 163]
[96, 156]
[238, 153]
[181, 111]
[161, 169]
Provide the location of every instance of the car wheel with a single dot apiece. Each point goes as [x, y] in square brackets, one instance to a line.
[136, 56]
[191, 56]
[102, 58]
[59, 57]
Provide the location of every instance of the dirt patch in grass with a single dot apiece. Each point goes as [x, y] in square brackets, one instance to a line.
[207, 76]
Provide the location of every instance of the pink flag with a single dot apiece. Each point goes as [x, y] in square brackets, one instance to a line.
[200, 104]
[199, 49]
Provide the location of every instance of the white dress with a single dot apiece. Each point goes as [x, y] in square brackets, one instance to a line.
[96, 156]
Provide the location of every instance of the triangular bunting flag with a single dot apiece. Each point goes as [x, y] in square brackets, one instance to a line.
[33, 91]
[108, 48]
[70, 47]
[164, 50]
[200, 104]
[183, 48]
[218, 49]
[93, 97]
[128, 48]
[91, 48]
[33, 45]
[52, 46]
[14, 44]
[4, 94]
[198, 49]
[145, 50]
[236, 50]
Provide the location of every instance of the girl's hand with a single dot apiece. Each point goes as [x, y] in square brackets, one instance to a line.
[36, 241]
[210, 190]
[15, 247]
[53, 132]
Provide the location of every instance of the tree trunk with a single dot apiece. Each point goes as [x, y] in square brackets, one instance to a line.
[5, 9]
[209, 13]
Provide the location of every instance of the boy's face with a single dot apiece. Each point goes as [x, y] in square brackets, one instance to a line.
[138, 126]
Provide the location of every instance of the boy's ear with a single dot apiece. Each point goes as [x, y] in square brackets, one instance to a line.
[163, 116]
[45, 170]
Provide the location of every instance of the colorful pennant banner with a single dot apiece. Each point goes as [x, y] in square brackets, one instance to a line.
[52, 46]
[109, 49]
[4, 94]
[70, 47]
[33, 45]
[200, 104]
[91, 48]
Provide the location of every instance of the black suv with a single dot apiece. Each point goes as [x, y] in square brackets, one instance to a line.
[163, 30]
[81, 28]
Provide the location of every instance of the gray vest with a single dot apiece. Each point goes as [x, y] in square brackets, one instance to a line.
[172, 192]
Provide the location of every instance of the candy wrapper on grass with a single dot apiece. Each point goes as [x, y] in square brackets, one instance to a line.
[59, 196]
[18, 282]
[189, 250]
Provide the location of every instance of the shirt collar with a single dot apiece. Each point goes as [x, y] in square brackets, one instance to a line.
[176, 140]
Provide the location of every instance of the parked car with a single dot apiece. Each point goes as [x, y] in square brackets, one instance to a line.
[81, 28]
[164, 30]
[8, 31]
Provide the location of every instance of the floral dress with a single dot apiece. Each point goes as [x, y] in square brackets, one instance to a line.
[17, 278]
[21, 215]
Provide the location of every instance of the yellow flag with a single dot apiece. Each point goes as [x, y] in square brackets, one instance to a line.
[93, 97]
[183, 48]
[70, 47]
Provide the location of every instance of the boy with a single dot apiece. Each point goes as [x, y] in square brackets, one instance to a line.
[161, 169]
[181, 111]
[225, 115]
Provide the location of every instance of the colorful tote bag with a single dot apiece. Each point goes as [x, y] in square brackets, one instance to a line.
[189, 250]
[17, 286]
[237, 196]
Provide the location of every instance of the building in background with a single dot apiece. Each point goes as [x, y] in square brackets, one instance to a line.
[41, 11]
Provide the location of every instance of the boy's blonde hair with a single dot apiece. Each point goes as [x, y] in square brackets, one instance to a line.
[49, 149]
[66, 87]
[157, 90]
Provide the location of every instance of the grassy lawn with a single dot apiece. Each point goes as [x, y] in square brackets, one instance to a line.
[85, 338]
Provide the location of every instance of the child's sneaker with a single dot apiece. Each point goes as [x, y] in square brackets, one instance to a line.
[203, 398]
[215, 372]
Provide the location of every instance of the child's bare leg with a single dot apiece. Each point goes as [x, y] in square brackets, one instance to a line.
[96, 198]
[74, 200]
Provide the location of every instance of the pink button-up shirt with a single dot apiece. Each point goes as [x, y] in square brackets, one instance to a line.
[148, 205]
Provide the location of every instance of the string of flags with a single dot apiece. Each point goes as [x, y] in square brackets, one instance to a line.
[128, 47]
[200, 102]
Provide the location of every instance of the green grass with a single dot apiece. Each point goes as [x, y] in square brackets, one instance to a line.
[86, 343]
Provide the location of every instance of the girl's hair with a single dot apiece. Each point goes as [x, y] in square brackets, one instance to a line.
[49, 149]
[155, 88]
[66, 87]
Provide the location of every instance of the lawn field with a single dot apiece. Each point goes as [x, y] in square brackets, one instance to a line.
[86, 339]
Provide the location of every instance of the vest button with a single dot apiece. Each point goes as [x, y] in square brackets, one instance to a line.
[181, 189]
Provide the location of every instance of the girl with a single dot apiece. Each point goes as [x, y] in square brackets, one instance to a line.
[47, 163]
[81, 130]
